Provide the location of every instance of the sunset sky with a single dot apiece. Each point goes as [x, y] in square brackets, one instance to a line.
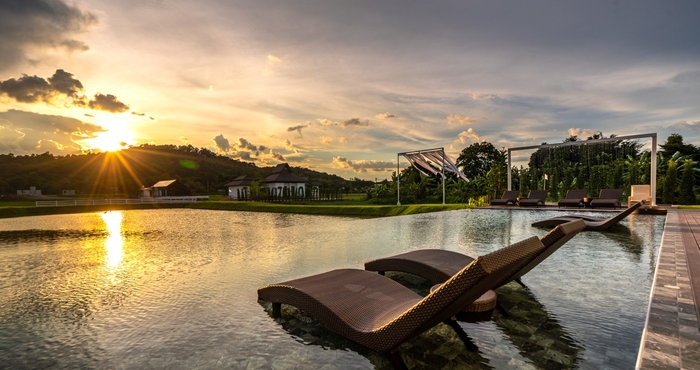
[341, 87]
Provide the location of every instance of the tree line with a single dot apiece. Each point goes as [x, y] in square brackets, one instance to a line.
[124, 172]
[616, 164]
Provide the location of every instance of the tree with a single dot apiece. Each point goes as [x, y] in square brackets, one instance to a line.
[497, 176]
[674, 143]
[670, 184]
[477, 159]
[686, 194]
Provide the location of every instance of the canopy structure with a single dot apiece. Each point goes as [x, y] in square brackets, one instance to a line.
[652, 136]
[428, 162]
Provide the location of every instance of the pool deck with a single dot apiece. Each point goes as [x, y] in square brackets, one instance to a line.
[671, 337]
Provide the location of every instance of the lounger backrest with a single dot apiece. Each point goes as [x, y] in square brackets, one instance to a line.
[576, 194]
[464, 287]
[613, 220]
[611, 194]
[510, 194]
[552, 241]
[538, 194]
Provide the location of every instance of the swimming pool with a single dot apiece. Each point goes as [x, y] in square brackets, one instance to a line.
[177, 289]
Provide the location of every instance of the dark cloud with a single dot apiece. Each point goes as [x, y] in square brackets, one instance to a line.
[247, 145]
[30, 25]
[139, 114]
[64, 83]
[27, 89]
[354, 122]
[298, 128]
[108, 103]
[35, 89]
[277, 156]
[221, 143]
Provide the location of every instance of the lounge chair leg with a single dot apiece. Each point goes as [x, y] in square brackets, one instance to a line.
[396, 360]
[462, 334]
[521, 283]
[277, 310]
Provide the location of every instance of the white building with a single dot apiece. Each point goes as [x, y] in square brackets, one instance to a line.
[239, 188]
[282, 178]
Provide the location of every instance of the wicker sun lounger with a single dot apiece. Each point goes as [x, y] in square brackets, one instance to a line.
[438, 265]
[535, 198]
[509, 197]
[574, 198]
[381, 314]
[610, 198]
[592, 223]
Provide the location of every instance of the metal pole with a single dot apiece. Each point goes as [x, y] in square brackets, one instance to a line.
[443, 175]
[398, 182]
[509, 175]
[653, 170]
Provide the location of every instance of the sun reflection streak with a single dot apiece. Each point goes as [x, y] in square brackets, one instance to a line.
[114, 245]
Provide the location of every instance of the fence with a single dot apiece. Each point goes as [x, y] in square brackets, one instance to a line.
[93, 202]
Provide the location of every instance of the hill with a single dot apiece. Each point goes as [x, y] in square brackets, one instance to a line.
[125, 172]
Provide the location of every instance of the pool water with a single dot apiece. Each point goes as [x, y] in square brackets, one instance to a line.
[176, 289]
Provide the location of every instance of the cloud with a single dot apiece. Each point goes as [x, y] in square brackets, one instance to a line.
[582, 133]
[35, 89]
[469, 134]
[26, 132]
[221, 143]
[273, 58]
[139, 114]
[342, 140]
[40, 26]
[354, 122]
[298, 128]
[459, 119]
[288, 145]
[693, 125]
[277, 156]
[483, 96]
[362, 166]
[246, 145]
[108, 103]
[88, 115]
[325, 140]
[385, 116]
[324, 122]
[187, 141]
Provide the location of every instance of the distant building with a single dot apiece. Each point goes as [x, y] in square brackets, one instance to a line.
[239, 187]
[67, 192]
[167, 188]
[282, 177]
[32, 191]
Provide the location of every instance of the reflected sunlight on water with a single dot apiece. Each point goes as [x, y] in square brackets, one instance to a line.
[114, 243]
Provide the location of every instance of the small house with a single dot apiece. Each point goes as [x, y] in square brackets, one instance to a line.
[281, 178]
[239, 187]
[169, 188]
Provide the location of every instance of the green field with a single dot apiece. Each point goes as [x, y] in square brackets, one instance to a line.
[347, 207]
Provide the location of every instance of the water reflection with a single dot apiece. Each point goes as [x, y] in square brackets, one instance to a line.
[114, 244]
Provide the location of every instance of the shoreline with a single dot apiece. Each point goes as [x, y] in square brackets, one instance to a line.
[308, 209]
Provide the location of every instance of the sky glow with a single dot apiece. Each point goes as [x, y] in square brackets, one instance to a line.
[341, 87]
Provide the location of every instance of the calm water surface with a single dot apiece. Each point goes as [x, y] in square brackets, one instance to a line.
[176, 289]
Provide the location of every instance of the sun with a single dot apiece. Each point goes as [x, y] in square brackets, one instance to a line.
[116, 137]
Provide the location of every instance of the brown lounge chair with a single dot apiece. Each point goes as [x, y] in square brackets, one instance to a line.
[574, 198]
[438, 265]
[535, 198]
[509, 196]
[592, 223]
[381, 314]
[609, 198]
